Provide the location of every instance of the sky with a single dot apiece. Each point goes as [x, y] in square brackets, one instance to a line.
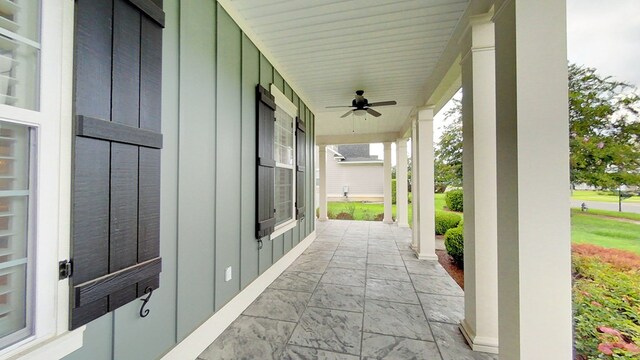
[603, 34]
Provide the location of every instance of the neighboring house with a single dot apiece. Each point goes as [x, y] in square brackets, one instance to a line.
[159, 155]
[354, 171]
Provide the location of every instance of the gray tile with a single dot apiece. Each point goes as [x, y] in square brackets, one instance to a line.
[249, 338]
[372, 249]
[241, 347]
[324, 245]
[279, 305]
[443, 308]
[348, 262]
[342, 276]
[358, 244]
[260, 328]
[296, 281]
[330, 296]
[317, 254]
[388, 318]
[389, 290]
[385, 259]
[395, 348]
[425, 267]
[441, 285]
[328, 237]
[292, 352]
[351, 251]
[388, 272]
[326, 329]
[453, 345]
[309, 264]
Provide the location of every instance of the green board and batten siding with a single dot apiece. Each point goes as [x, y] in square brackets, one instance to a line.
[210, 70]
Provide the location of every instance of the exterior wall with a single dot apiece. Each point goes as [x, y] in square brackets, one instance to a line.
[364, 180]
[210, 70]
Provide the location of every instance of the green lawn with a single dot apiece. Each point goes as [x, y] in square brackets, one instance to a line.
[604, 196]
[368, 211]
[605, 232]
[609, 213]
[591, 227]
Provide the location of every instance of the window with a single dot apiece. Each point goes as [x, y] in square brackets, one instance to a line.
[15, 252]
[19, 53]
[284, 153]
[285, 157]
[19, 87]
[36, 62]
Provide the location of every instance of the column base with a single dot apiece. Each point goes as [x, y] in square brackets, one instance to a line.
[425, 256]
[387, 221]
[403, 225]
[478, 343]
[323, 219]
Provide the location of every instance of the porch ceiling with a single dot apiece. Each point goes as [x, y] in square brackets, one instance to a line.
[327, 49]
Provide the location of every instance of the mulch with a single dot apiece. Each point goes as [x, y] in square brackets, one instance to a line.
[454, 271]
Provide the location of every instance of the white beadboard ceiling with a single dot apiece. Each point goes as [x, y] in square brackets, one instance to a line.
[330, 48]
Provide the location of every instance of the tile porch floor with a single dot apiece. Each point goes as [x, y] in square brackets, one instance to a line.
[358, 292]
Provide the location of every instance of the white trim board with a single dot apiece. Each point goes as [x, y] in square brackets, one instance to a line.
[194, 344]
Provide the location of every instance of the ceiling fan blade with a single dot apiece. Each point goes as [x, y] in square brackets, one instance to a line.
[336, 107]
[373, 112]
[383, 103]
[346, 114]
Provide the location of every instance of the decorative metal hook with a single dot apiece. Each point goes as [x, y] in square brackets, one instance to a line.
[260, 244]
[144, 312]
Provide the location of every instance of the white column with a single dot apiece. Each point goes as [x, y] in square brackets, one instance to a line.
[322, 163]
[402, 197]
[534, 238]
[427, 238]
[480, 324]
[415, 192]
[386, 184]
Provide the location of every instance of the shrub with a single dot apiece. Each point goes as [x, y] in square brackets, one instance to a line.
[350, 208]
[446, 221]
[461, 223]
[454, 243]
[344, 216]
[330, 215]
[379, 217]
[454, 200]
[393, 191]
[606, 303]
[620, 259]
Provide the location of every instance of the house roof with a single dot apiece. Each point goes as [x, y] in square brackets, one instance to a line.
[355, 153]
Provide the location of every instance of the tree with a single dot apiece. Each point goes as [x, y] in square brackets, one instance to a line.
[448, 153]
[604, 130]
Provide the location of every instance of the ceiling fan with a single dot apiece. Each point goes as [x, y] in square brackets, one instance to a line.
[360, 105]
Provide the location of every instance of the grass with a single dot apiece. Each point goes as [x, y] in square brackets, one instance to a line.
[368, 211]
[609, 213]
[603, 196]
[596, 230]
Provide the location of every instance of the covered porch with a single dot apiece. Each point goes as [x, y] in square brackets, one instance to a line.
[358, 291]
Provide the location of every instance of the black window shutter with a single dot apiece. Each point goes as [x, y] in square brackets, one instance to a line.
[301, 143]
[265, 182]
[116, 173]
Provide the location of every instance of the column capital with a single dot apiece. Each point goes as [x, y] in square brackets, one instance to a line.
[401, 142]
[426, 113]
[322, 147]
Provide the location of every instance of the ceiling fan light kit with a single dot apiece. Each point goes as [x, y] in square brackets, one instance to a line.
[360, 106]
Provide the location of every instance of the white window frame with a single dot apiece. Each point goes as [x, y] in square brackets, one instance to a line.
[283, 102]
[49, 297]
